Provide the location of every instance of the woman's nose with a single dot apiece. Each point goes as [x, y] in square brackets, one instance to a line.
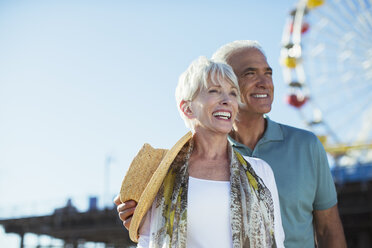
[226, 98]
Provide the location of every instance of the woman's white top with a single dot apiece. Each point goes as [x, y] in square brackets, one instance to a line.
[208, 211]
[208, 215]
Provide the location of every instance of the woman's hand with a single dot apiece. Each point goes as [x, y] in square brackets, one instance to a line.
[125, 210]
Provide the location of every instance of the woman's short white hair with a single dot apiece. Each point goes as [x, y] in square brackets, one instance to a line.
[198, 74]
[224, 52]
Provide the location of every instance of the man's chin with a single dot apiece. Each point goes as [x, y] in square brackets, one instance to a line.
[243, 108]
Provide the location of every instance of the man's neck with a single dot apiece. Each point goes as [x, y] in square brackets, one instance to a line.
[248, 130]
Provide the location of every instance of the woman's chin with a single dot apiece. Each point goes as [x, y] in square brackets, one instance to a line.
[214, 131]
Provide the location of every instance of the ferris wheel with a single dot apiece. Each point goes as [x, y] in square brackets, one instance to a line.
[327, 63]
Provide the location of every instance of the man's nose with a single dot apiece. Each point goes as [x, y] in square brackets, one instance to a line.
[264, 81]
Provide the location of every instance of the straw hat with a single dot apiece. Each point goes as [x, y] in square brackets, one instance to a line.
[144, 178]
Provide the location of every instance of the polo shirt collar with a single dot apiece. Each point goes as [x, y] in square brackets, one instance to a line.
[273, 132]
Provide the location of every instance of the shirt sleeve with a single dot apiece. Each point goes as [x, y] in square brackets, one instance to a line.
[143, 241]
[326, 195]
[144, 231]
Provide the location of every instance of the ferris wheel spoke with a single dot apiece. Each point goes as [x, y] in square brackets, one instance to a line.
[350, 6]
[349, 115]
[365, 21]
[334, 29]
[347, 15]
[331, 48]
[344, 117]
[359, 10]
[326, 20]
[331, 12]
[361, 4]
[357, 51]
[344, 126]
[320, 47]
[362, 22]
[322, 75]
[321, 124]
[346, 109]
[331, 32]
[326, 59]
[362, 67]
[345, 103]
[330, 19]
[358, 89]
[346, 23]
[368, 17]
[365, 4]
[368, 3]
[353, 65]
[362, 41]
[341, 122]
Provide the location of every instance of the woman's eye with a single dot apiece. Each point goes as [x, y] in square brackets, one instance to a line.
[212, 91]
[234, 93]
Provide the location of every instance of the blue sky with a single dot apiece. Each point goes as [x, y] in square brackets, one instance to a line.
[83, 80]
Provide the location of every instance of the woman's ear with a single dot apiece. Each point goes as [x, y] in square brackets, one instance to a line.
[185, 106]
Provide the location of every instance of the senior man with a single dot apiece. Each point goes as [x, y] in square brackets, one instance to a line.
[307, 194]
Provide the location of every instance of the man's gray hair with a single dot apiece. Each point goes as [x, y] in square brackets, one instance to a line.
[223, 53]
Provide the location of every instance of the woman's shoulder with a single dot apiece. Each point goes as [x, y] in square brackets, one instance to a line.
[261, 167]
[257, 162]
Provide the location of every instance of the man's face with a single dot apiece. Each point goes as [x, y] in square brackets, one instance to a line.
[255, 80]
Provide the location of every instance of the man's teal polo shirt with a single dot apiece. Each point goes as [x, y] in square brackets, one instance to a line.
[302, 175]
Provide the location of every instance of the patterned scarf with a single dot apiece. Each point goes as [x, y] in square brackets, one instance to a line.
[251, 206]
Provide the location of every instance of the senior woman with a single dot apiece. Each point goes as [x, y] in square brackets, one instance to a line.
[210, 195]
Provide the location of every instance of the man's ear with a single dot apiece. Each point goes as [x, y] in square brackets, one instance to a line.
[185, 106]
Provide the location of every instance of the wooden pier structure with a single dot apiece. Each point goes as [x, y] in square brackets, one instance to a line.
[76, 228]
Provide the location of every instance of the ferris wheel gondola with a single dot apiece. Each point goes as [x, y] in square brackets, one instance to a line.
[327, 63]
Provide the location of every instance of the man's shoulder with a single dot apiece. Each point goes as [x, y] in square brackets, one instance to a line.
[295, 132]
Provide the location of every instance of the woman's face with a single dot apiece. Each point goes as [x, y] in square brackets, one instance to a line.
[215, 108]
